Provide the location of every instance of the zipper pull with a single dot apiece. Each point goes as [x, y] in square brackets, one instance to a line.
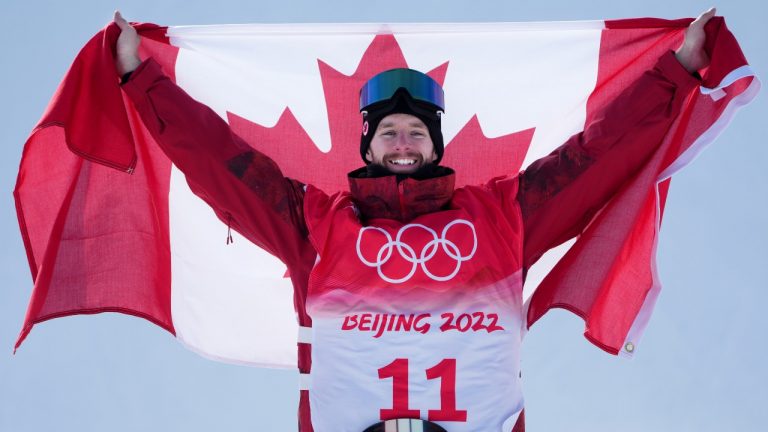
[229, 229]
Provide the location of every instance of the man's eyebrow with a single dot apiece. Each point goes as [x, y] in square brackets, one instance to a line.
[417, 124]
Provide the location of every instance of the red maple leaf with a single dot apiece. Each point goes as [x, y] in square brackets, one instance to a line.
[475, 157]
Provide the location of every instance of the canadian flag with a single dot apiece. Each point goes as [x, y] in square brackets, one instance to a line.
[110, 225]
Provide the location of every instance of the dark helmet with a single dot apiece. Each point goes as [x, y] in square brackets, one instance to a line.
[402, 91]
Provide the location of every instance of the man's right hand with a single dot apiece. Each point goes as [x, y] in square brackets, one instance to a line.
[127, 46]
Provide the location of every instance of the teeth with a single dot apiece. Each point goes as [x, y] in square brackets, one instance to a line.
[403, 161]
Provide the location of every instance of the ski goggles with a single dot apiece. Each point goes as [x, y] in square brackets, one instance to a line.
[419, 86]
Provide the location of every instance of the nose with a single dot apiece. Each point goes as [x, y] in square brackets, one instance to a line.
[402, 142]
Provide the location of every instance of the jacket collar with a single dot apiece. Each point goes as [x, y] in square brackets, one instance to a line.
[400, 199]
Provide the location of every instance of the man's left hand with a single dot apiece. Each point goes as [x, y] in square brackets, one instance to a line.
[691, 53]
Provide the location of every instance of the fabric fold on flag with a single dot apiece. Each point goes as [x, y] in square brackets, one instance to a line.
[609, 276]
[92, 195]
[96, 238]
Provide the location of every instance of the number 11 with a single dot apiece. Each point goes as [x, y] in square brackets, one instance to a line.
[445, 371]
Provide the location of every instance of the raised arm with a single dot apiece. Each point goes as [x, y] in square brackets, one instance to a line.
[561, 192]
[245, 188]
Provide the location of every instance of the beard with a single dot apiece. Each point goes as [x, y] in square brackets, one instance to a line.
[425, 171]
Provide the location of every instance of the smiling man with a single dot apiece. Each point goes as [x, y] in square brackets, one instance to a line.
[401, 111]
[412, 289]
[401, 144]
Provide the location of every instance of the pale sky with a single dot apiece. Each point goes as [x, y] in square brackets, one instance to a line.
[701, 364]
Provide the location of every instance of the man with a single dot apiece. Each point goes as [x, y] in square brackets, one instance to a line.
[413, 290]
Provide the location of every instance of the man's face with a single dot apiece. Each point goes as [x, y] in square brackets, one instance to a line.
[401, 144]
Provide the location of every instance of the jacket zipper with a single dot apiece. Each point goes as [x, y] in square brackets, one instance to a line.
[401, 199]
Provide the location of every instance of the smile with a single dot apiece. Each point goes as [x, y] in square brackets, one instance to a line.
[402, 161]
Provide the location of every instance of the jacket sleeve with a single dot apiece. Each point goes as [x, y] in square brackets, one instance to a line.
[244, 187]
[561, 192]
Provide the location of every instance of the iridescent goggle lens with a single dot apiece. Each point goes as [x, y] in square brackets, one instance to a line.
[384, 85]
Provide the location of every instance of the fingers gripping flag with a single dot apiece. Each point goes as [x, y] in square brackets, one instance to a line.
[110, 225]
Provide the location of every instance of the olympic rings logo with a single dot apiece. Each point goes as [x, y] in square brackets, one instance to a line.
[408, 253]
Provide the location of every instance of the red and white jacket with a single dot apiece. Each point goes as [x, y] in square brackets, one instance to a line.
[413, 290]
